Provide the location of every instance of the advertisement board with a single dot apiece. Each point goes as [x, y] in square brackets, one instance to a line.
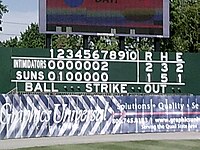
[147, 18]
[24, 116]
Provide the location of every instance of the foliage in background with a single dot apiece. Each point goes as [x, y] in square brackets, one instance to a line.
[144, 44]
[31, 38]
[3, 9]
[185, 27]
[184, 30]
[103, 43]
[67, 41]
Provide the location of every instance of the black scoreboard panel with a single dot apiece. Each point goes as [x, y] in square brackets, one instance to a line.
[100, 72]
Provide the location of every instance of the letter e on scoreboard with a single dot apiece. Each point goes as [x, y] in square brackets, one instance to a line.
[179, 56]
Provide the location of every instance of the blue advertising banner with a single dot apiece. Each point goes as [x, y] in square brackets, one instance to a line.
[23, 116]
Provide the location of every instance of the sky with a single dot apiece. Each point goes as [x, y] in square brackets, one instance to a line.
[21, 14]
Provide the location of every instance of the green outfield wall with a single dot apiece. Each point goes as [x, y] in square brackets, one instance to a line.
[102, 72]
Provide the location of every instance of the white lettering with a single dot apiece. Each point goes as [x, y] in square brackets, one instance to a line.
[164, 56]
[148, 56]
[179, 56]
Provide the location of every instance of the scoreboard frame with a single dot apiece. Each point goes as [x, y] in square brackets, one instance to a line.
[100, 29]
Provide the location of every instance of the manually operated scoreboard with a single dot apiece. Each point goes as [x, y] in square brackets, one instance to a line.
[100, 72]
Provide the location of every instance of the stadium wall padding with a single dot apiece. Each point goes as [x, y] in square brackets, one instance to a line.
[29, 115]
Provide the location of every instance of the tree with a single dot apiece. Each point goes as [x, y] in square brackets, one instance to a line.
[185, 27]
[3, 9]
[103, 43]
[31, 38]
[13, 42]
[142, 44]
[67, 41]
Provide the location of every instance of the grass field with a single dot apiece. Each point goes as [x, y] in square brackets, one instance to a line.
[136, 145]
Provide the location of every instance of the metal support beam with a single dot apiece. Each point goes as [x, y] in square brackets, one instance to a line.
[48, 42]
[122, 43]
[157, 44]
[85, 41]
